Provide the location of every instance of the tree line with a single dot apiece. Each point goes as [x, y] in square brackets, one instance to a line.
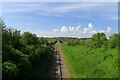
[24, 55]
[98, 40]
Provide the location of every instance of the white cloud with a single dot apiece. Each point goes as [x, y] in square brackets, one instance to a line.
[108, 29]
[112, 17]
[93, 32]
[101, 31]
[55, 30]
[47, 9]
[86, 30]
[76, 31]
[76, 7]
[72, 29]
[90, 26]
[77, 28]
[23, 7]
[64, 29]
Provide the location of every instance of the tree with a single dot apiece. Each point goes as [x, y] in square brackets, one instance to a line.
[73, 42]
[99, 36]
[11, 54]
[113, 40]
[99, 39]
[23, 54]
[2, 24]
[9, 69]
[24, 66]
[7, 36]
[43, 41]
[15, 39]
[29, 38]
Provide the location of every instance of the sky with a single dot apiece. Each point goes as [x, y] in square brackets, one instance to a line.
[62, 19]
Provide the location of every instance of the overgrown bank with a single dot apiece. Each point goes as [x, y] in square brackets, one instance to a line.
[94, 58]
[24, 55]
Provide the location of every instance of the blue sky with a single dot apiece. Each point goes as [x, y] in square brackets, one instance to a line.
[71, 19]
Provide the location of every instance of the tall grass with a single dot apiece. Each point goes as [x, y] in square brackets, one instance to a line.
[85, 62]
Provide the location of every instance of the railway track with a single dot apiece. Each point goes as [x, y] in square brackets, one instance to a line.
[59, 61]
[58, 69]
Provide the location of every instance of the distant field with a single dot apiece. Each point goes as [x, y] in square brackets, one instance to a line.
[85, 62]
[51, 39]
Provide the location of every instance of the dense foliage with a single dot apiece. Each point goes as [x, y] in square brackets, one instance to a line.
[24, 54]
[93, 58]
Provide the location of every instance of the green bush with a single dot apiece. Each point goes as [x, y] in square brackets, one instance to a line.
[24, 55]
[10, 69]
